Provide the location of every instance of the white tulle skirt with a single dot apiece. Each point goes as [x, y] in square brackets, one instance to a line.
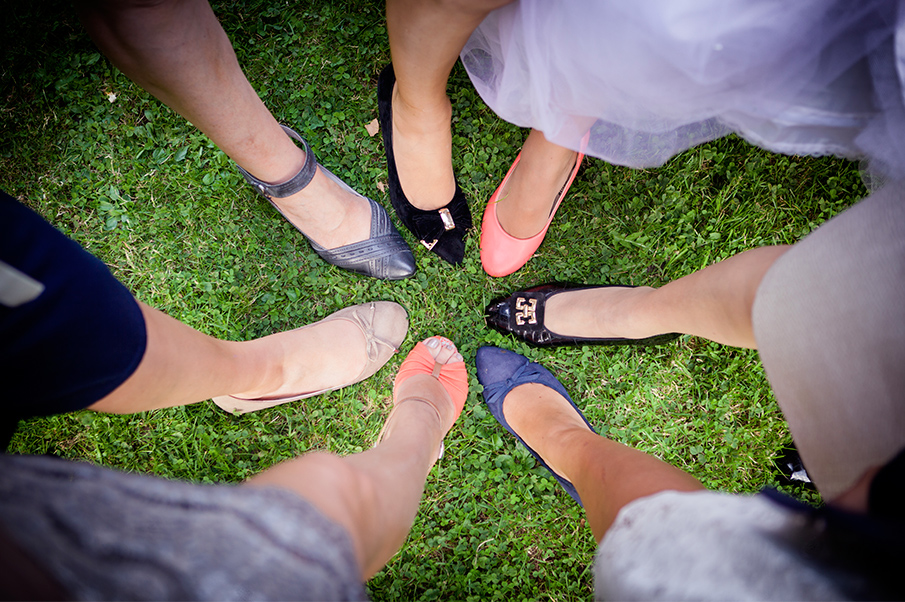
[651, 78]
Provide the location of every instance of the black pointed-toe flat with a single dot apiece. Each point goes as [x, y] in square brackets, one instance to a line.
[442, 230]
[522, 314]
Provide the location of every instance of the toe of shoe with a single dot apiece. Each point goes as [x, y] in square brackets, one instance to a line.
[495, 364]
[497, 315]
[390, 323]
[504, 257]
[398, 266]
[451, 247]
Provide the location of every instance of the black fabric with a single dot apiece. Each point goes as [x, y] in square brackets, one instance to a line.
[887, 491]
[427, 226]
[78, 340]
[22, 577]
[862, 552]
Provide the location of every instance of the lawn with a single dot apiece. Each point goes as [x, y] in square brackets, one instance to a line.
[152, 197]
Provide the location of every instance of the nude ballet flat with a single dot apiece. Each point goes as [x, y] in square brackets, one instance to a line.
[384, 325]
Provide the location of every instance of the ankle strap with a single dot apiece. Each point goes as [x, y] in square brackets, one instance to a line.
[293, 184]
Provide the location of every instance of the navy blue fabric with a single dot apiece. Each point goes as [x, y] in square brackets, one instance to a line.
[869, 545]
[78, 340]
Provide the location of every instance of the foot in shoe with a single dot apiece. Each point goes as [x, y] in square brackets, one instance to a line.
[382, 253]
[296, 361]
[545, 421]
[610, 312]
[433, 374]
[525, 204]
[509, 379]
[441, 229]
[321, 356]
[422, 145]
[554, 314]
[327, 213]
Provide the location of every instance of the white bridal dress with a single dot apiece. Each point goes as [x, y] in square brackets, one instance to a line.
[651, 78]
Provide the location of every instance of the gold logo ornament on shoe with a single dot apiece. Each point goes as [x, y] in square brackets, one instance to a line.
[526, 311]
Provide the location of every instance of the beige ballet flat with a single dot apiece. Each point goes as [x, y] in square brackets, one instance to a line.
[384, 325]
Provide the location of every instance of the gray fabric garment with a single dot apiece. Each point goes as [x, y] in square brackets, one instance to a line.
[829, 319]
[108, 535]
[707, 546]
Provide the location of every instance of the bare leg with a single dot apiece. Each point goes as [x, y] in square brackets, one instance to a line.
[855, 499]
[714, 303]
[425, 41]
[178, 52]
[183, 366]
[375, 494]
[543, 169]
[606, 474]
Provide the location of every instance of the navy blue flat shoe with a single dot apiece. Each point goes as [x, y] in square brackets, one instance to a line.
[500, 371]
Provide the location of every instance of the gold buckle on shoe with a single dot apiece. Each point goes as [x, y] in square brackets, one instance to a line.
[525, 311]
[447, 219]
[448, 224]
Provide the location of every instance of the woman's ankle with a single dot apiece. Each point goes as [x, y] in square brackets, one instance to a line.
[607, 312]
[416, 420]
[426, 390]
[420, 114]
[422, 148]
[544, 419]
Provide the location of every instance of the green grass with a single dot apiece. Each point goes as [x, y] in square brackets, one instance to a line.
[144, 191]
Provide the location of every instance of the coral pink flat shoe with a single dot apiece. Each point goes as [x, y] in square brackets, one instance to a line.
[503, 254]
